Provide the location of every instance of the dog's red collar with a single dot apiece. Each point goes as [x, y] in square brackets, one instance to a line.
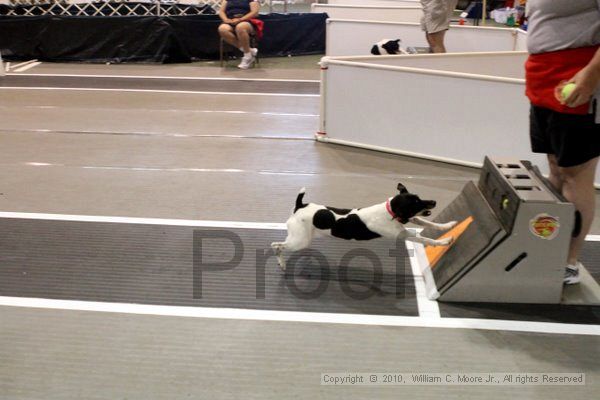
[388, 207]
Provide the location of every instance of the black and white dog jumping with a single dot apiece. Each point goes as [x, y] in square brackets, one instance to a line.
[385, 220]
[386, 46]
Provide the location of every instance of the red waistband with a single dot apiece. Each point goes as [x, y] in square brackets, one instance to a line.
[545, 71]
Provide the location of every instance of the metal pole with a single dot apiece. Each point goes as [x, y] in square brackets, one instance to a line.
[484, 12]
[324, 64]
[2, 73]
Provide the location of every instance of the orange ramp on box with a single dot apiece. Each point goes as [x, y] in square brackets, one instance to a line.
[435, 253]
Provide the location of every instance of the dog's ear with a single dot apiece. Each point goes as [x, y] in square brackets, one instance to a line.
[402, 189]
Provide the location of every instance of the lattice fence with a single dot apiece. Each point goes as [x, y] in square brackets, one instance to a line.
[114, 8]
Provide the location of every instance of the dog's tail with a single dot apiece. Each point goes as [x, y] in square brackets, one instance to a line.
[299, 203]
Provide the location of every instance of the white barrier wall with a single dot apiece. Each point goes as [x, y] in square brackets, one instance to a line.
[499, 64]
[356, 37]
[521, 40]
[439, 107]
[371, 13]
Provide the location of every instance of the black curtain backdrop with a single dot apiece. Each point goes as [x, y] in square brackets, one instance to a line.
[148, 39]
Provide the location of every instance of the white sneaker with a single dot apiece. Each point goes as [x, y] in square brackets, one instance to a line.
[253, 50]
[572, 274]
[247, 61]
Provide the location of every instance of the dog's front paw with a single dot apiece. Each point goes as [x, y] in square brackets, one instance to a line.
[446, 241]
[450, 225]
[277, 246]
[282, 264]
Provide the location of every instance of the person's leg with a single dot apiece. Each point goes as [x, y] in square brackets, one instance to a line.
[428, 41]
[436, 42]
[429, 23]
[436, 21]
[578, 188]
[576, 144]
[541, 142]
[227, 33]
[437, 38]
[243, 30]
[555, 173]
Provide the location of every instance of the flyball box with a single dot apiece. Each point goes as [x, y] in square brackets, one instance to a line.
[511, 242]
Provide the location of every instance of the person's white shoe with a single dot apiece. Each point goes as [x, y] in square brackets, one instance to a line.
[253, 50]
[572, 274]
[247, 61]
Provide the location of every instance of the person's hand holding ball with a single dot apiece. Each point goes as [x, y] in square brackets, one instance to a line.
[579, 89]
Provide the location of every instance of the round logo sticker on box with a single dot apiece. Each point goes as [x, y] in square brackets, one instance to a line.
[544, 226]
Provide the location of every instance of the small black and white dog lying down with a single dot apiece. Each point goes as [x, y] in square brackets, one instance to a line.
[386, 46]
[385, 220]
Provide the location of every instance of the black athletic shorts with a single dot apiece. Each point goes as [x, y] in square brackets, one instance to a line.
[573, 139]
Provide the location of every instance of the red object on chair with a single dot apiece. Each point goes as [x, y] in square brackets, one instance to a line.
[259, 26]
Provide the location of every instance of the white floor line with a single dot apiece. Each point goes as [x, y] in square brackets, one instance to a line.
[172, 222]
[427, 308]
[297, 316]
[192, 78]
[38, 164]
[145, 221]
[158, 91]
[26, 67]
[234, 112]
[201, 170]
[306, 138]
[169, 170]
[22, 64]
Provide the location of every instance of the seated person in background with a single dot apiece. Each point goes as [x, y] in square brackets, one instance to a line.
[237, 27]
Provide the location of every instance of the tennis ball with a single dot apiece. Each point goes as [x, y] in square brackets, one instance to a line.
[567, 90]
